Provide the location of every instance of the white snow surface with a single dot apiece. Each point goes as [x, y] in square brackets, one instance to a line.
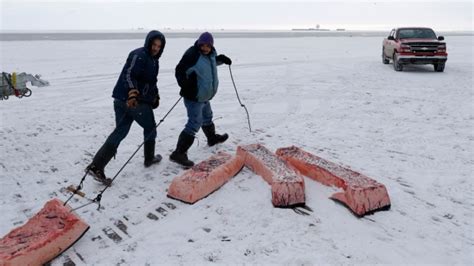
[411, 131]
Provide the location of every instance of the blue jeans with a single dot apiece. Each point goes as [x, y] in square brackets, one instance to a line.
[199, 114]
[124, 117]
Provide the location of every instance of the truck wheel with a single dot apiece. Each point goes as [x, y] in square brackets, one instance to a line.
[385, 60]
[439, 67]
[396, 65]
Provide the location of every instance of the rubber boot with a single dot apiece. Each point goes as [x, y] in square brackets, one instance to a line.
[101, 159]
[180, 155]
[149, 152]
[212, 137]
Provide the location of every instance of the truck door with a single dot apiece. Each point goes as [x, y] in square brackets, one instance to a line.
[390, 44]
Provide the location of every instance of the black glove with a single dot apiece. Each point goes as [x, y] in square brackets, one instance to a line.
[224, 59]
[156, 102]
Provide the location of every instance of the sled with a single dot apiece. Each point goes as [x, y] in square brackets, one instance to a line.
[13, 85]
[44, 237]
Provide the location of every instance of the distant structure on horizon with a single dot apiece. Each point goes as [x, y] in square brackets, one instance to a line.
[317, 28]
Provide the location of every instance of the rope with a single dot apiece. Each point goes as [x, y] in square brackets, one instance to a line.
[79, 187]
[82, 206]
[99, 196]
[238, 98]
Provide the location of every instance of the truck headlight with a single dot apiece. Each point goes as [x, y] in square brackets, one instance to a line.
[405, 48]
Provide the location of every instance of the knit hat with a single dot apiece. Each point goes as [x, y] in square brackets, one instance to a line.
[206, 38]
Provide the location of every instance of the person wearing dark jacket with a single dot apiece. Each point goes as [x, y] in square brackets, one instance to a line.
[196, 74]
[135, 96]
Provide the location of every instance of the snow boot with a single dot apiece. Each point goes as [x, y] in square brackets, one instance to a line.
[101, 159]
[149, 151]
[180, 155]
[212, 137]
[98, 175]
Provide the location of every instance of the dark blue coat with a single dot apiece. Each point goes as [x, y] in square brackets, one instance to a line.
[140, 72]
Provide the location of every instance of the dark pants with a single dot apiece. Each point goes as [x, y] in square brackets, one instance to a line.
[199, 114]
[124, 117]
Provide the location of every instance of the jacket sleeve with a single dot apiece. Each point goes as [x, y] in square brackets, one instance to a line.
[134, 70]
[187, 61]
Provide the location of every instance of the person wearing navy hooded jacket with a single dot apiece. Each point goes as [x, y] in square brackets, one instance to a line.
[196, 74]
[135, 96]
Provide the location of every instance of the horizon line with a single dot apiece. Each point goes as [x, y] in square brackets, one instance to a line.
[207, 29]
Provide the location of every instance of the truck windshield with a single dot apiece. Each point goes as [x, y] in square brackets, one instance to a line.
[416, 34]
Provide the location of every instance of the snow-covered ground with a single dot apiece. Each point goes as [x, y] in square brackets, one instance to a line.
[413, 131]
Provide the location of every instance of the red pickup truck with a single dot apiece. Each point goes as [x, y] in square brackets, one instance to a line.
[414, 46]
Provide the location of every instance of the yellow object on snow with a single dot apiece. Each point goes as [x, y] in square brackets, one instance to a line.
[14, 79]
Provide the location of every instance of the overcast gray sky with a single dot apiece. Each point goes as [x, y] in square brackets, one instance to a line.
[125, 15]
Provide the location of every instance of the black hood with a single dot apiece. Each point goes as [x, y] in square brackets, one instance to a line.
[151, 36]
